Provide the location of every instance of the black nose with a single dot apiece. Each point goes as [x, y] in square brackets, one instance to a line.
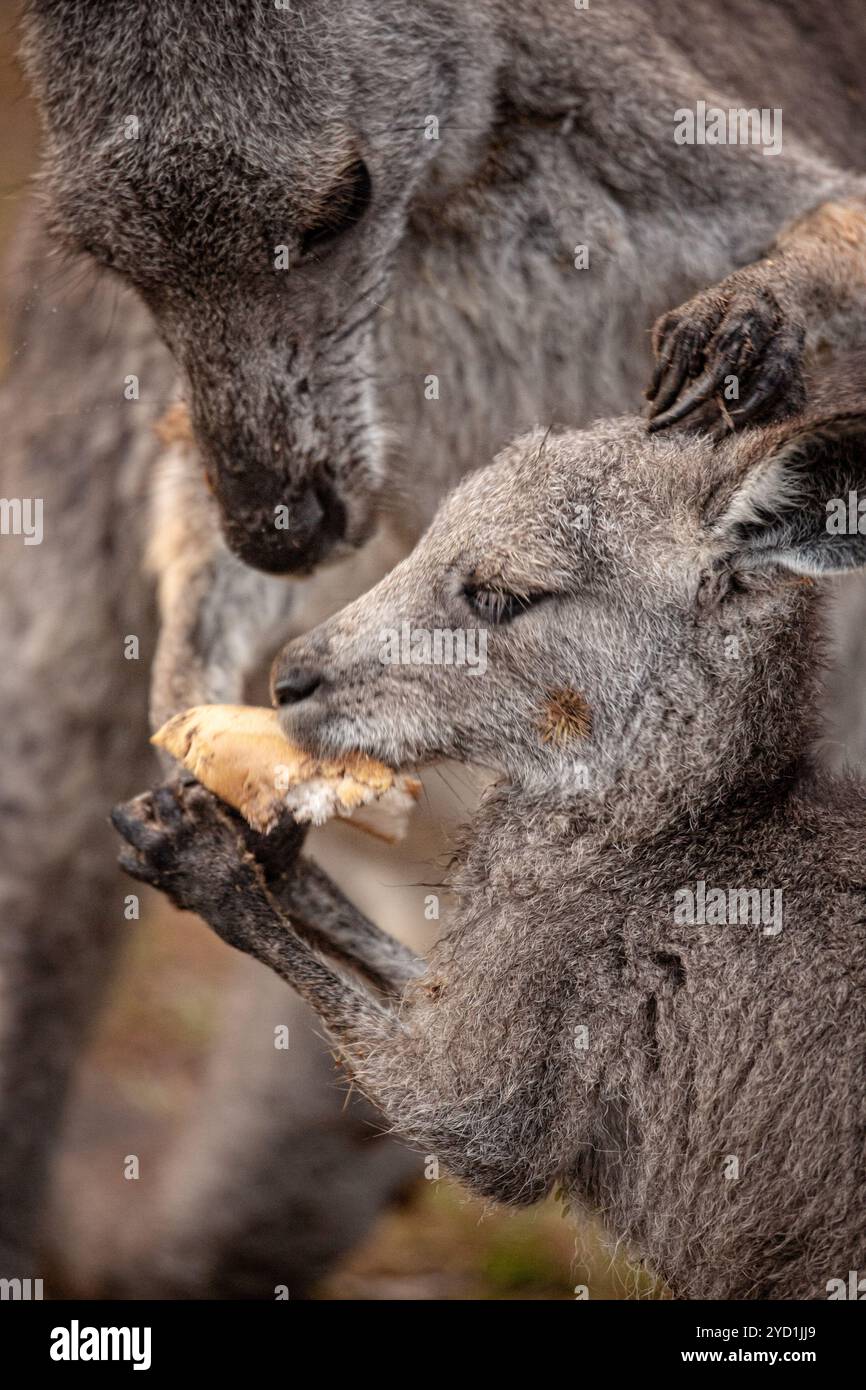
[295, 684]
[310, 525]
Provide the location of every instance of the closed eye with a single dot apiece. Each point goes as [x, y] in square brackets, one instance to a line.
[346, 206]
[498, 606]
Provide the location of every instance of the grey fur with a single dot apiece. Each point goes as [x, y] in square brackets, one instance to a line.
[569, 1031]
[555, 130]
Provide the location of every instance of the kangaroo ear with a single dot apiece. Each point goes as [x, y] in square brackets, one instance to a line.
[803, 505]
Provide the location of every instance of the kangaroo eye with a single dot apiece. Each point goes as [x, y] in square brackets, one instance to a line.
[347, 205]
[498, 606]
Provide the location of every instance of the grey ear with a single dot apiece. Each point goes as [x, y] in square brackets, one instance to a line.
[803, 506]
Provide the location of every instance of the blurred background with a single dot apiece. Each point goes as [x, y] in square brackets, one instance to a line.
[146, 1062]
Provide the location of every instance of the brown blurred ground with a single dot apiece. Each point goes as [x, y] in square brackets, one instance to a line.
[147, 1058]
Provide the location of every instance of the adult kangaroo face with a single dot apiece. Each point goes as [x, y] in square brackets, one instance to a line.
[249, 171]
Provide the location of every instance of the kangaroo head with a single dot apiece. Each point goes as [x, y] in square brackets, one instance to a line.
[641, 606]
[250, 170]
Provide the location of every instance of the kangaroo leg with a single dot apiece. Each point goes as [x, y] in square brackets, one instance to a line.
[184, 842]
[217, 617]
[307, 895]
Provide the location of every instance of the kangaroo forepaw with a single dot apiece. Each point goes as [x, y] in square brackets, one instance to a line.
[184, 841]
[731, 356]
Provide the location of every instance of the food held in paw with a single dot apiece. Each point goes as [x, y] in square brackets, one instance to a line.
[240, 753]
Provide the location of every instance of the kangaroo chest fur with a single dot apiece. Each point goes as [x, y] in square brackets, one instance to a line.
[651, 1066]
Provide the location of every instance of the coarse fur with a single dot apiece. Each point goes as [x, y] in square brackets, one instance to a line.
[311, 386]
[699, 1082]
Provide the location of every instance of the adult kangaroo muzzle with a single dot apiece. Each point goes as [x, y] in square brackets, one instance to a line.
[269, 312]
[290, 450]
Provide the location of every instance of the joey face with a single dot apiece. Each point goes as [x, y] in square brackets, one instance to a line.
[553, 575]
[640, 604]
[250, 173]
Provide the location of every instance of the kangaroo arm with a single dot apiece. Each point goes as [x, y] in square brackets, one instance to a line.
[765, 325]
[821, 258]
[257, 924]
[332, 924]
[182, 840]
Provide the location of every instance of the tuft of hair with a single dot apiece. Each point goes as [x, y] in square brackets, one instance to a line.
[566, 716]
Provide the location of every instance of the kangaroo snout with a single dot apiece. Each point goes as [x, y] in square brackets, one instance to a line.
[292, 456]
[304, 686]
[337, 693]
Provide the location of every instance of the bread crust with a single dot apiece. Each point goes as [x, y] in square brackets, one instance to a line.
[240, 753]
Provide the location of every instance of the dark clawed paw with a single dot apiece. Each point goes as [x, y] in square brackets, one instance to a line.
[184, 841]
[729, 357]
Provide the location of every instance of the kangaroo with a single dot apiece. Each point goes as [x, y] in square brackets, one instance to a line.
[651, 994]
[356, 314]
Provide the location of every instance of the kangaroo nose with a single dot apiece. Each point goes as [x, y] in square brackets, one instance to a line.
[294, 684]
[313, 522]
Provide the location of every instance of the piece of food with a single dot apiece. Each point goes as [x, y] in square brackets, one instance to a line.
[240, 753]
